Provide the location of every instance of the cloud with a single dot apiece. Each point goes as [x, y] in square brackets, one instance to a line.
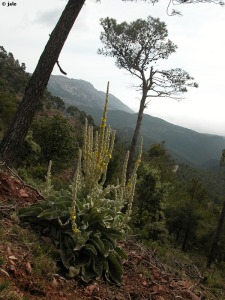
[47, 18]
[198, 35]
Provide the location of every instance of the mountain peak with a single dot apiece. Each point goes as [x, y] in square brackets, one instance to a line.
[82, 94]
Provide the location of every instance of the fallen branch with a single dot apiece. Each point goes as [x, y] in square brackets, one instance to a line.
[22, 181]
[7, 207]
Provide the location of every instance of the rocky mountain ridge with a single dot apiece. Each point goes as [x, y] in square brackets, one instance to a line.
[81, 93]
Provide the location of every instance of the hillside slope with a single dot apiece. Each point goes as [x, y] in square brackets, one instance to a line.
[81, 93]
[185, 145]
[28, 270]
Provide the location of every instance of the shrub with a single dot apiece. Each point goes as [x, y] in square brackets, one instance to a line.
[148, 216]
[55, 137]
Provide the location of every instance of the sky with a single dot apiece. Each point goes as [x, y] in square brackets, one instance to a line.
[198, 33]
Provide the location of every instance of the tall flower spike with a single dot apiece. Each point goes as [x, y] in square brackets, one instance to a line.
[97, 150]
[75, 188]
[103, 123]
[48, 182]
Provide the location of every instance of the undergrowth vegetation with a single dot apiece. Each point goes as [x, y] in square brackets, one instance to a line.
[86, 221]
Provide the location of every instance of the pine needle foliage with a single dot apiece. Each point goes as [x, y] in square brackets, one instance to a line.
[86, 222]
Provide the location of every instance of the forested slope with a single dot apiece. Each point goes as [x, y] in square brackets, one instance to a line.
[173, 213]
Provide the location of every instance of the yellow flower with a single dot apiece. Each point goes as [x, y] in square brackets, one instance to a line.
[76, 230]
[103, 123]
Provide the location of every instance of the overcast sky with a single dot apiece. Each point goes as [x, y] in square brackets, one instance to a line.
[199, 35]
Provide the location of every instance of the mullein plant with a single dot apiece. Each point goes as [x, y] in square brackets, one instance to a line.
[96, 154]
[97, 151]
[48, 181]
[86, 222]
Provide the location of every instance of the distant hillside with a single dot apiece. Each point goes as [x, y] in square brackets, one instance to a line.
[185, 145]
[81, 94]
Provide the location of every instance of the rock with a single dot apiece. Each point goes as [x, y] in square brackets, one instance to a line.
[23, 193]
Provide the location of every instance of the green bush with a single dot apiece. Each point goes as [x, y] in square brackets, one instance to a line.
[56, 139]
[148, 216]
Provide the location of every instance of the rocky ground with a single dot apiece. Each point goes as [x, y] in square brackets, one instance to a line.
[145, 276]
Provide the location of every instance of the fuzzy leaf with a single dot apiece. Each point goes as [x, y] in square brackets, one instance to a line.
[115, 268]
[82, 240]
[97, 265]
[121, 253]
[49, 214]
[91, 248]
[64, 259]
[106, 269]
[112, 233]
[87, 274]
[99, 245]
[84, 259]
[55, 233]
[30, 211]
[108, 245]
[79, 205]
[64, 200]
[69, 242]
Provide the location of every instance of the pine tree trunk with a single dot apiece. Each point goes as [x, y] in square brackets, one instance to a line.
[35, 88]
[136, 134]
[186, 237]
[178, 235]
[216, 237]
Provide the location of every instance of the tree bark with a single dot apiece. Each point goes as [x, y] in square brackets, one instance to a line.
[186, 237]
[216, 237]
[178, 235]
[136, 133]
[24, 116]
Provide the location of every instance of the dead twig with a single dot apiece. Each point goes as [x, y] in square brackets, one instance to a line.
[7, 207]
[60, 69]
